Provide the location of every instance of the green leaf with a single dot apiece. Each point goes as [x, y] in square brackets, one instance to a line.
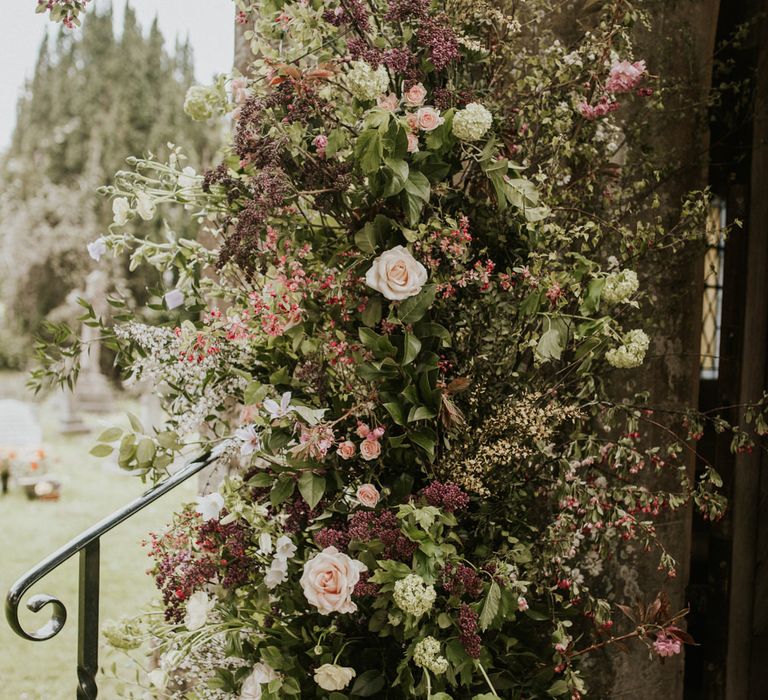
[550, 345]
[396, 410]
[135, 423]
[591, 302]
[366, 239]
[255, 392]
[424, 438]
[110, 435]
[558, 688]
[421, 413]
[490, 607]
[417, 185]
[145, 451]
[367, 684]
[397, 175]
[311, 488]
[369, 151]
[413, 308]
[282, 490]
[102, 450]
[411, 347]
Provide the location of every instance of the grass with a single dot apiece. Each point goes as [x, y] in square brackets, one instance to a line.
[33, 529]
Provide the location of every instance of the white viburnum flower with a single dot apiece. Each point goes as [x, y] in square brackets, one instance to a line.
[412, 595]
[426, 654]
[631, 353]
[472, 122]
[334, 677]
[620, 286]
[145, 206]
[279, 410]
[97, 248]
[174, 298]
[366, 83]
[120, 210]
[198, 607]
[210, 506]
[251, 442]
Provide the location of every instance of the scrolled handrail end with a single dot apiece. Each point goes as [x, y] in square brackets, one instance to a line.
[36, 603]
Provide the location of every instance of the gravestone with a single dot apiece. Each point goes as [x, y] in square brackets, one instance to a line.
[20, 433]
[92, 391]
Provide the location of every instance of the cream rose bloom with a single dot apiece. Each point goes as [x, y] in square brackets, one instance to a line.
[396, 274]
[428, 119]
[368, 495]
[329, 579]
[333, 677]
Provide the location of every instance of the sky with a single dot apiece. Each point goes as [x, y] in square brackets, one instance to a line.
[209, 24]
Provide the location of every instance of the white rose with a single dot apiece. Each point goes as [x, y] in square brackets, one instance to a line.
[261, 675]
[198, 607]
[145, 206]
[329, 579]
[396, 274]
[120, 209]
[333, 677]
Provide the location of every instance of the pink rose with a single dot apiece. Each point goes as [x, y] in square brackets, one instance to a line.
[368, 495]
[346, 449]
[329, 579]
[428, 119]
[413, 143]
[320, 142]
[388, 102]
[370, 449]
[415, 95]
[413, 121]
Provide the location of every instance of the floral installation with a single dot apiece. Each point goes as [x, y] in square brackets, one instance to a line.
[404, 331]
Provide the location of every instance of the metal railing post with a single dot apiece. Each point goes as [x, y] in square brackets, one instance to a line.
[88, 622]
[87, 544]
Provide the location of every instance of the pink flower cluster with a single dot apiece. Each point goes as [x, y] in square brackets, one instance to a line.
[666, 645]
[625, 76]
[605, 105]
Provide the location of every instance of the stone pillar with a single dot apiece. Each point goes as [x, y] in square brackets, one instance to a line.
[679, 48]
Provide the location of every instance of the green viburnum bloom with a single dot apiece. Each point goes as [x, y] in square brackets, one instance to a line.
[632, 352]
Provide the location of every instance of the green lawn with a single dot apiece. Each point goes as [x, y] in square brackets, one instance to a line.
[33, 529]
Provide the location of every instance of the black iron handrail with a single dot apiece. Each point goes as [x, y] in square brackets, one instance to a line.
[87, 543]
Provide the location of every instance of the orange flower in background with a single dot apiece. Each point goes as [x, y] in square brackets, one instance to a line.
[33, 465]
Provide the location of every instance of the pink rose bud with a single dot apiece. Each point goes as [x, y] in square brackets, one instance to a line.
[368, 495]
[362, 430]
[346, 449]
[413, 143]
[415, 95]
[376, 433]
[370, 449]
[413, 121]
